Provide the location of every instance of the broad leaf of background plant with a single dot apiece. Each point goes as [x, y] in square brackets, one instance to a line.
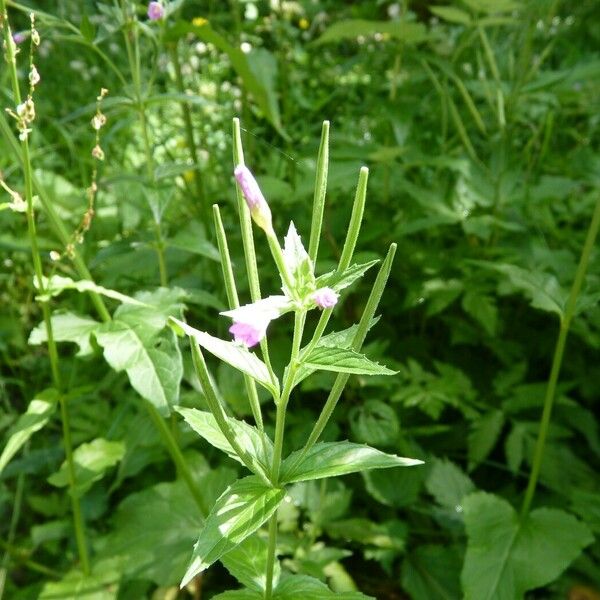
[101, 584]
[409, 33]
[483, 436]
[238, 513]
[294, 587]
[257, 444]
[247, 562]
[153, 530]
[152, 362]
[432, 573]
[506, 557]
[332, 459]
[38, 413]
[67, 327]
[91, 460]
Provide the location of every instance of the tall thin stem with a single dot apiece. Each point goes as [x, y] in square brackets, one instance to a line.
[282, 402]
[133, 56]
[559, 350]
[38, 273]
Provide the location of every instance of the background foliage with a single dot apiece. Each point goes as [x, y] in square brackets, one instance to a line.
[479, 121]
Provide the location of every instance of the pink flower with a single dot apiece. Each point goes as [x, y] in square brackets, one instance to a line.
[19, 37]
[250, 321]
[325, 297]
[248, 334]
[259, 209]
[155, 11]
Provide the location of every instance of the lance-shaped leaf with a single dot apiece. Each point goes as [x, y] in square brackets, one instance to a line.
[508, 556]
[238, 513]
[339, 281]
[343, 360]
[331, 459]
[152, 362]
[233, 354]
[38, 413]
[256, 443]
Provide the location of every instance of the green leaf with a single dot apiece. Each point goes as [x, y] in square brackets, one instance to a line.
[55, 285]
[256, 443]
[92, 460]
[409, 33]
[340, 281]
[248, 562]
[374, 422]
[152, 362]
[343, 360]
[233, 354]
[448, 484]
[192, 238]
[331, 459]
[239, 595]
[483, 309]
[238, 513]
[294, 587]
[387, 536]
[483, 436]
[507, 556]
[38, 413]
[493, 6]
[101, 584]
[451, 14]
[67, 327]
[396, 488]
[543, 290]
[432, 573]
[153, 530]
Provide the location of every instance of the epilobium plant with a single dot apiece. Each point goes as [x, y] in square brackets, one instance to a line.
[253, 500]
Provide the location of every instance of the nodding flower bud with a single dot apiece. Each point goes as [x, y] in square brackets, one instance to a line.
[155, 11]
[325, 297]
[259, 209]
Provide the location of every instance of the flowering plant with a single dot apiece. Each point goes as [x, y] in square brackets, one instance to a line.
[233, 524]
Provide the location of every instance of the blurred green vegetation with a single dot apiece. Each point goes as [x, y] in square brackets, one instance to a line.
[479, 122]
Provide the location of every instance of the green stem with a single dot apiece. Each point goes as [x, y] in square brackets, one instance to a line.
[177, 457]
[12, 529]
[282, 402]
[559, 350]
[38, 273]
[271, 555]
[133, 56]
[189, 131]
[233, 301]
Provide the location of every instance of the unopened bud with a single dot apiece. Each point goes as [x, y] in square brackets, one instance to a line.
[97, 152]
[155, 11]
[259, 209]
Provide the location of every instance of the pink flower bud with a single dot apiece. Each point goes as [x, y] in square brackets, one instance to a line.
[19, 37]
[259, 209]
[325, 297]
[155, 11]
